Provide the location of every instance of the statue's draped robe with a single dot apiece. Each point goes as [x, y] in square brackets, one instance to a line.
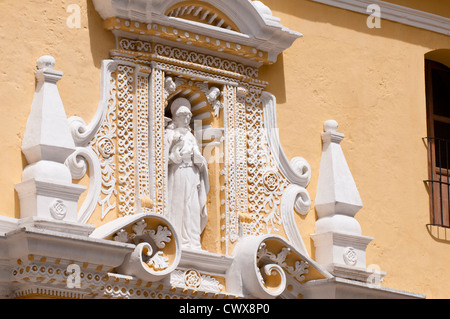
[188, 186]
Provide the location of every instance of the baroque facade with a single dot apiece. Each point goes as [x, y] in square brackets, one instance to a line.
[97, 195]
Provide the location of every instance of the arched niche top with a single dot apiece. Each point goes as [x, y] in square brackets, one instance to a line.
[201, 12]
[200, 106]
[440, 55]
[244, 29]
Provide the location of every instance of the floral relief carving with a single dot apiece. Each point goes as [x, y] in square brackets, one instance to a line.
[265, 183]
[106, 147]
[350, 256]
[158, 261]
[191, 278]
[299, 269]
[271, 181]
[159, 237]
[58, 209]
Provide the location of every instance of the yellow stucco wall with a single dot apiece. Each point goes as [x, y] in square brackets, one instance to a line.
[28, 30]
[370, 80]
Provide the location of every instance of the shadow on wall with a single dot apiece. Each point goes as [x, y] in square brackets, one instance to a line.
[277, 84]
[441, 56]
[438, 233]
[101, 40]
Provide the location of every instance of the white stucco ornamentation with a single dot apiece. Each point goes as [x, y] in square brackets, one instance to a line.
[350, 256]
[338, 240]
[256, 189]
[46, 189]
[251, 23]
[157, 251]
[191, 278]
[298, 270]
[58, 209]
[266, 265]
[96, 148]
[187, 180]
[297, 173]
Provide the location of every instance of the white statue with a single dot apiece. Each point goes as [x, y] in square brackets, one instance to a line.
[188, 182]
[213, 98]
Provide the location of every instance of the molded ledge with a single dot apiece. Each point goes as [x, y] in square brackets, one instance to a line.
[396, 13]
[339, 288]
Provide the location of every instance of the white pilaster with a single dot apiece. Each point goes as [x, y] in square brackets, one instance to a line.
[46, 190]
[339, 245]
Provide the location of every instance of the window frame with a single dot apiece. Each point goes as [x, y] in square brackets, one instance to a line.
[439, 177]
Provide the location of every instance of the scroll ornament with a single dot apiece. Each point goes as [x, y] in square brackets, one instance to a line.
[157, 252]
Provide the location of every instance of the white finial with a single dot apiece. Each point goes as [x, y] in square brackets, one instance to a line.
[330, 126]
[339, 244]
[46, 190]
[46, 62]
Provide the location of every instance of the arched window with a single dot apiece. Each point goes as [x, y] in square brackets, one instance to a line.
[437, 77]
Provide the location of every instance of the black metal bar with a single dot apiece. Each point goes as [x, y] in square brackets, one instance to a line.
[431, 177]
[440, 184]
[434, 181]
[439, 164]
[448, 188]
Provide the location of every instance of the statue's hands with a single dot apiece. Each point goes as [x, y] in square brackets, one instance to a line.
[185, 156]
[198, 159]
[175, 156]
[176, 138]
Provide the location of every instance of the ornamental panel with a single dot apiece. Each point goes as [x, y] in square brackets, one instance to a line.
[232, 123]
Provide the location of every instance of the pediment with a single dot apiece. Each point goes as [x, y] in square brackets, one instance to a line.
[244, 30]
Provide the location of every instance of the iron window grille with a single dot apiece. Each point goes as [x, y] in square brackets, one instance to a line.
[439, 180]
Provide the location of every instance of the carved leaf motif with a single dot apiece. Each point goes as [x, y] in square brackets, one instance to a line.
[159, 261]
[161, 236]
[280, 258]
[210, 283]
[121, 236]
[262, 251]
[301, 268]
[139, 227]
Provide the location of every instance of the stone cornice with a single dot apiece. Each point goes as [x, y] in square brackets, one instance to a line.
[396, 13]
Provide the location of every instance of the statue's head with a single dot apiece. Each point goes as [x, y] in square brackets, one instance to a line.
[181, 112]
